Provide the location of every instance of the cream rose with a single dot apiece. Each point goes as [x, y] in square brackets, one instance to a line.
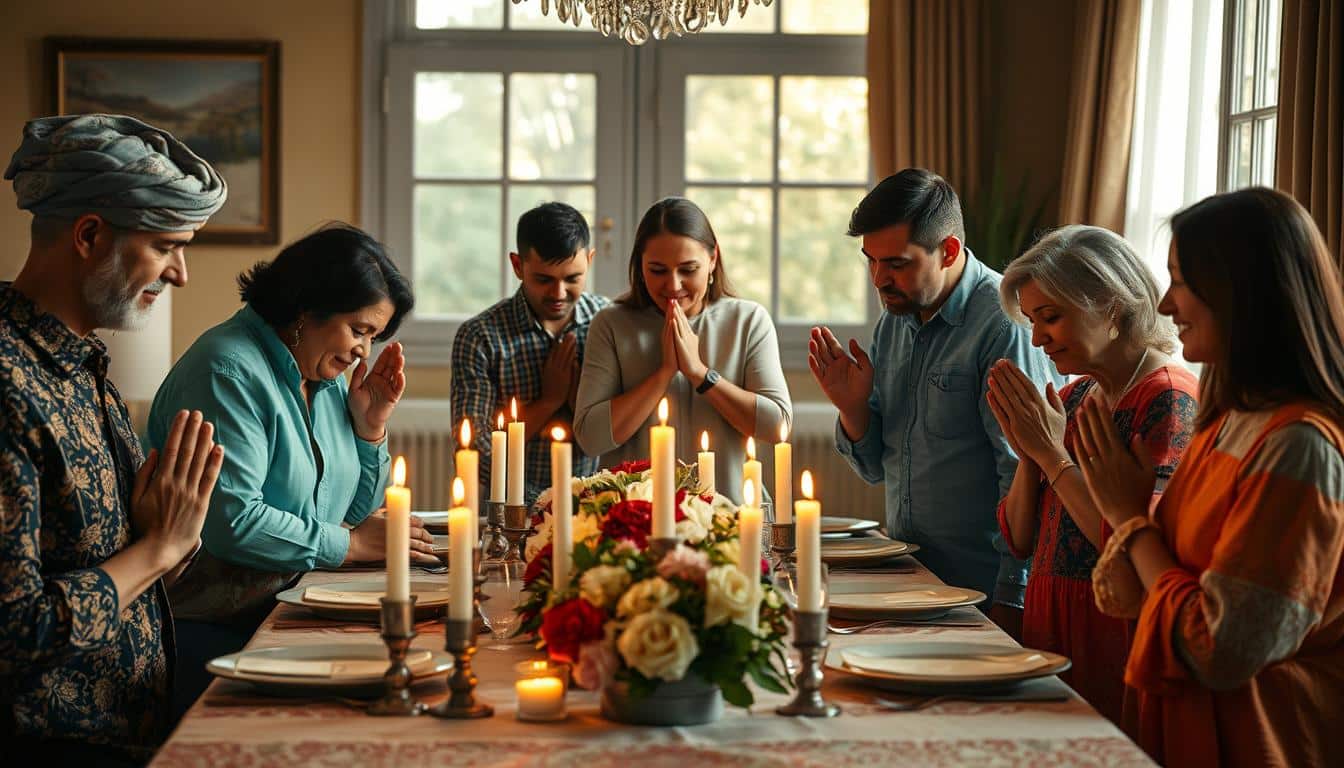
[648, 595]
[730, 550]
[601, 584]
[641, 490]
[731, 596]
[586, 528]
[659, 644]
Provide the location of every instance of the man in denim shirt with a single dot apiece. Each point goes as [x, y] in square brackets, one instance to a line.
[914, 413]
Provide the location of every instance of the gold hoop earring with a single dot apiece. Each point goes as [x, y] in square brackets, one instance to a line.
[297, 328]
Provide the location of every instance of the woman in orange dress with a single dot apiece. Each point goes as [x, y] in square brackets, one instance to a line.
[1235, 579]
[1092, 306]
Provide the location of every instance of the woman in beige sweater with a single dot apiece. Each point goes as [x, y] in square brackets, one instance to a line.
[680, 333]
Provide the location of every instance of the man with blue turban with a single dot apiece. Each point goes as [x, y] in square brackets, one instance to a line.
[89, 528]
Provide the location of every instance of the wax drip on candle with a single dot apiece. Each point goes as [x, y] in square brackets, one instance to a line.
[751, 448]
[399, 472]
[806, 484]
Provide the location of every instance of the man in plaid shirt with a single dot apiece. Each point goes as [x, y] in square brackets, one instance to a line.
[530, 346]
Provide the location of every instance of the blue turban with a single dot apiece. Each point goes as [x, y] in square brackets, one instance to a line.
[133, 175]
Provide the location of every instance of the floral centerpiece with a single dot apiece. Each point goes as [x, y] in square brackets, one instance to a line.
[628, 616]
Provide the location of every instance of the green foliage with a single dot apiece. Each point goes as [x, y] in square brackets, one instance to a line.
[999, 225]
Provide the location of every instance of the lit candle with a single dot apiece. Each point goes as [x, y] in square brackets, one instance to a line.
[808, 537]
[459, 559]
[562, 499]
[517, 435]
[468, 462]
[498, 460]
[752, 469]
[749, 532]
[706, 463]
[541, 691]
[398, 539]
[783, 477]
[663, 461]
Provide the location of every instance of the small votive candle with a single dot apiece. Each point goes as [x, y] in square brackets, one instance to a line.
[541, 687]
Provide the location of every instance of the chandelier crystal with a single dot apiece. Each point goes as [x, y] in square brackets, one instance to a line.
[636, 20]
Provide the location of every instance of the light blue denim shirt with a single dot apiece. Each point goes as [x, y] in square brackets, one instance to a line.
[272, 510]
[933, 440]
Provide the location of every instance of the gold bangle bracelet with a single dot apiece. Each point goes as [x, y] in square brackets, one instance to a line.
[1063, 466]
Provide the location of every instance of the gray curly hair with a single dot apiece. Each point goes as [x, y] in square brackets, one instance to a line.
[1098, 271]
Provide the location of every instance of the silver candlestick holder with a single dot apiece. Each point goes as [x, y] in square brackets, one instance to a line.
[809, 637]
[782, 542]
[496, 544]
[517, 526]
[398, 630]
[460, 640]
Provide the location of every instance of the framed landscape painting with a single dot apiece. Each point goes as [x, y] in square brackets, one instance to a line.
[219, 97]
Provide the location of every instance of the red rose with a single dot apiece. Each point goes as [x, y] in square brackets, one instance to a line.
[569, 625]
[539, 565]
[632, 467]
[631, 520]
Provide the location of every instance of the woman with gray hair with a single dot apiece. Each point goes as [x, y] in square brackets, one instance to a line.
[1092, 307]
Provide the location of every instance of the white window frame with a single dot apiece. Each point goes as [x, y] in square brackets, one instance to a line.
[1234, 16]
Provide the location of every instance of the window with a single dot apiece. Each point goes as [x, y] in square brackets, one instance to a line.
[1250, 92]
[488, 107]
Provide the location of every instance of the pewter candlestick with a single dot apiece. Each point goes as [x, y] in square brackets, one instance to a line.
[398, 623]
[782, 542]
[517, 527]
[460, 640]
[496, 544]
[809, 637]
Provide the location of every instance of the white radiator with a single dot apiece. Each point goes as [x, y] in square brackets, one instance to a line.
[421, 431]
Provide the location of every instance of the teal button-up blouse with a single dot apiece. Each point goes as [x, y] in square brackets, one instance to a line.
[272, 510]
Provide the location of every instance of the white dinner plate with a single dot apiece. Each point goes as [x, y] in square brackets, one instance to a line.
[358, 600]
[866, 600]
[937, 666]
[354, 669]
[862, 551]
[436, 521]
[846, 525]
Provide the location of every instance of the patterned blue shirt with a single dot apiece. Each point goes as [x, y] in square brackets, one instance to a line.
[498, 355]
[933, 440]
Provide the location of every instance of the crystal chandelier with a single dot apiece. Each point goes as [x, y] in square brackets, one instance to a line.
[635, 20]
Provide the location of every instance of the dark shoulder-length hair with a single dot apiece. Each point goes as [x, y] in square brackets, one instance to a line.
[337, 269]
[675, 216]
[1257, 259]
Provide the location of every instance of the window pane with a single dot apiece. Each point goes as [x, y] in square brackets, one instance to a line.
[458, 124]
[457, 14]
[1239, 156]
[458, 257]
[821, 277]
[1269, 78]
[729, 123]
[1264, 149]
[552, 122]
[528, 15]
[1243, 66]
[823, 129]
[825, 17]
[741, 218]
[758, 20]
[524, 197]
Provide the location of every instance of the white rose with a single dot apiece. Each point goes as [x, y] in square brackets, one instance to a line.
[731, 596]
[539, 540]
[691, 531]
[724, 507]
[602, 584]
[659, 644]
[641, 490]
[586, 528]
[543, 499]
[648, 595]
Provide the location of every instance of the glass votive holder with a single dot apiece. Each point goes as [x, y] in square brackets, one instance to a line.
[541, 688]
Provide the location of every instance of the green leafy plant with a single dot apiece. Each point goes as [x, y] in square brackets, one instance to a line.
[1000, 225]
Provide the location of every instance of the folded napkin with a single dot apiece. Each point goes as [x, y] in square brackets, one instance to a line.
[340, 597]
[258, 664]
[980, 665]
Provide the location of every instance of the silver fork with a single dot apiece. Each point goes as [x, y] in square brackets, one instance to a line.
[913, 706]
[900, 623]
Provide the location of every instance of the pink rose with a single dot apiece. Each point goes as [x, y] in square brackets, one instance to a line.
[596, 666]
[684, 563]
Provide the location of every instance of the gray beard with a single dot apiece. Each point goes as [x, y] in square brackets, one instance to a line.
[114, 302]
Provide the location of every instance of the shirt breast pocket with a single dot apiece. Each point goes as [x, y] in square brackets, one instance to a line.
[952, 408]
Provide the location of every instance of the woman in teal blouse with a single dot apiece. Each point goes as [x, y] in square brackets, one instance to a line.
[306, 459]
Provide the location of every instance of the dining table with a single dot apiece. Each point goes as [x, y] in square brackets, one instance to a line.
[234, 725]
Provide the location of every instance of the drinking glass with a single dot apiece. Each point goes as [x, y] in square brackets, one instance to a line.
[500, 596]
[785, 579]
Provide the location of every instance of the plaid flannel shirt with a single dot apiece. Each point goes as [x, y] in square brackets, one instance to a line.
[498, 355]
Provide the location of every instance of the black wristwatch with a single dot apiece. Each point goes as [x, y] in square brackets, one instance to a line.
[711, 378]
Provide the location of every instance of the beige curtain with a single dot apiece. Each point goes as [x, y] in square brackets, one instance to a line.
[925, 75]
[1309, 162]
[1101, 114]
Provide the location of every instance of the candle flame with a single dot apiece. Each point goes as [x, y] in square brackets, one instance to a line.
[662, 411]
[784, 433]
[558, 434]
[704, 440]
[465, 433]
[751, 448]
[459, 492]
[807, 483]
[499, 422]
[513, 408]
[399, 471]
[749, 493]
